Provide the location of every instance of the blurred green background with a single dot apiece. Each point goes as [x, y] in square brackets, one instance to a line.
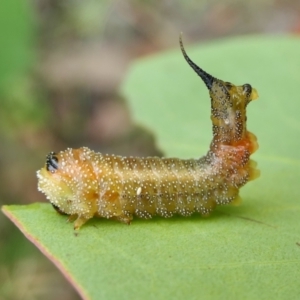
[61, 63]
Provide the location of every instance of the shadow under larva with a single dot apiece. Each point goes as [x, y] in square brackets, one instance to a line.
[84, 184]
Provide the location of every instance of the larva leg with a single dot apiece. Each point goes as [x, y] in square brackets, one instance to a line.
[79, 222]
[236, 201]
[72, 218]
[124, 219]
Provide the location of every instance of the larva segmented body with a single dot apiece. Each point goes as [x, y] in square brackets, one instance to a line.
[82, 183]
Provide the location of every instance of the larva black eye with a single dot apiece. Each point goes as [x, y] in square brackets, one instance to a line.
[247, 88]
[58, 209]
[51, 162]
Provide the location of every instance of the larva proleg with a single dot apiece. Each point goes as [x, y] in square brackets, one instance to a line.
[84, 184]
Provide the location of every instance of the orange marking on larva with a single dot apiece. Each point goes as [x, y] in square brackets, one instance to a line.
[83, 184]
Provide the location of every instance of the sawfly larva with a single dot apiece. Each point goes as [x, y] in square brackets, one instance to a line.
[84, 184]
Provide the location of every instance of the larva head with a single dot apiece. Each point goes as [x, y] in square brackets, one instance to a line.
[228, 105]
[68, 181]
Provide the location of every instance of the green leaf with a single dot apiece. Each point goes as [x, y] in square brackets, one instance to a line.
[16, 38]
[246, 252]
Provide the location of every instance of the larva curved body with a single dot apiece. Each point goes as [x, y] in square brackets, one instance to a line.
[84, 184]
